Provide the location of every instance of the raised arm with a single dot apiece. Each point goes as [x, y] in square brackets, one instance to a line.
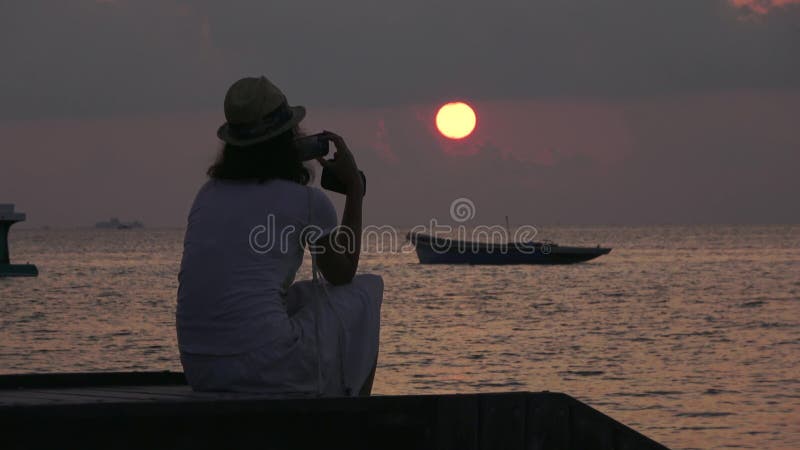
[338, 260]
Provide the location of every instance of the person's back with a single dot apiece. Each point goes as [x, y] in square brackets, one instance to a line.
[236, 264]
[242, 324]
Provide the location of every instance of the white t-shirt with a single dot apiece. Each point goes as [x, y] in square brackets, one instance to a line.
[242, 248]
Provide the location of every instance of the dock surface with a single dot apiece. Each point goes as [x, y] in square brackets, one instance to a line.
[153, 410]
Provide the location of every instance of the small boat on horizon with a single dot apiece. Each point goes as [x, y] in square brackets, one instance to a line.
[440, 250]
[116, 224]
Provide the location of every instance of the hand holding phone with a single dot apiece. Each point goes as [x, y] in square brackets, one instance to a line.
[312, 147]
[341, 173]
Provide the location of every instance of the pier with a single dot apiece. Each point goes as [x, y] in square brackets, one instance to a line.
[7, 218]
[154, 410]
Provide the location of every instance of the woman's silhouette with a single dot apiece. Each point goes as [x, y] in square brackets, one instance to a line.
[243, 323]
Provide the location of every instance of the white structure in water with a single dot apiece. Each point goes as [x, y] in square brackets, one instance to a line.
[7, 218]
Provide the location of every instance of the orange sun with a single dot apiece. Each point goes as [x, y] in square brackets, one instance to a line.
[455, 120]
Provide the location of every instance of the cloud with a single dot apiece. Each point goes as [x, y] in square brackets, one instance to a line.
[763, 6]
[84, 58]
[711, 158]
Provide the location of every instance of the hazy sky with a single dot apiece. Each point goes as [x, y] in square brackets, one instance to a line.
[635, 111]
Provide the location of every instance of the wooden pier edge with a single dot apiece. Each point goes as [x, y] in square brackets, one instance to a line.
[516, 420]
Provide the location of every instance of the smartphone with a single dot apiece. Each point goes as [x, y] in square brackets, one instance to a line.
[312, 147]
[331, 183]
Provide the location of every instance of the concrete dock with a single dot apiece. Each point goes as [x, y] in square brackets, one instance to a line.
[9, 217]
[153, 410]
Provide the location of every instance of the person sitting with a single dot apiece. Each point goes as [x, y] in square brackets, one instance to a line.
[242, 323]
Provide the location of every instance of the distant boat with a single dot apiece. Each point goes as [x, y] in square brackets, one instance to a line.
[437, 250]
[115, 224]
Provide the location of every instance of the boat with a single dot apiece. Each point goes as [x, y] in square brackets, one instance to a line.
[9, 217]
[440, 250]
[114, 223]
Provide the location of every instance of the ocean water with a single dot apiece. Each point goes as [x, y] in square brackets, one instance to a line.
[690, 335]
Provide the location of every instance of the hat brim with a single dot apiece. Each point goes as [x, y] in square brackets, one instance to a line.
[224, 131]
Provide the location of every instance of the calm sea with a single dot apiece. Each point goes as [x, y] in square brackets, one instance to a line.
[690, 335]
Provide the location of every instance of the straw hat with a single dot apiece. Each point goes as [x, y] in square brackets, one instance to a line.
[256, 110]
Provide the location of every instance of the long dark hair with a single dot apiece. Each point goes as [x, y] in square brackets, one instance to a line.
[271, 159]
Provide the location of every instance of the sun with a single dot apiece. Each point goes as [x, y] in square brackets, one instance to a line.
[456, 120]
